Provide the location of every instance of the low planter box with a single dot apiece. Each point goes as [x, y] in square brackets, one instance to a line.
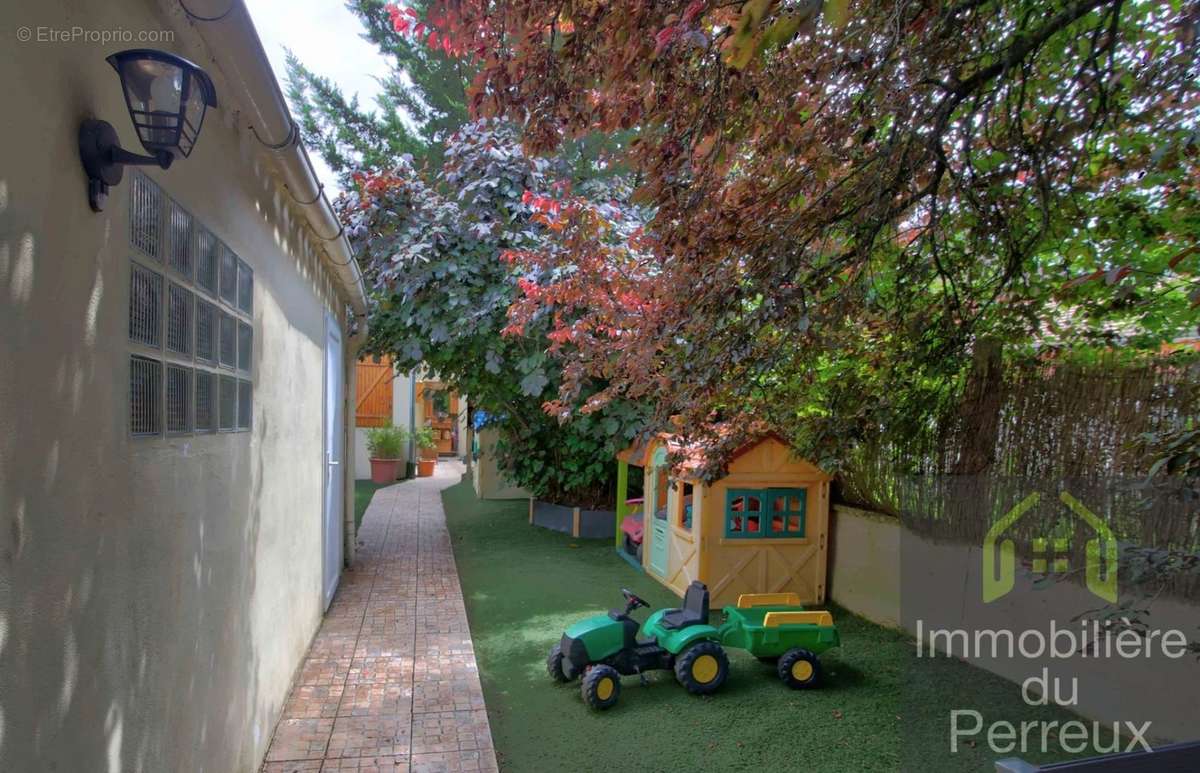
[588, 524]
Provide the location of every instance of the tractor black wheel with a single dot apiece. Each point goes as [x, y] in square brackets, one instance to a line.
[799, 668]
[554, 664]
[601, 687]
[702, 667]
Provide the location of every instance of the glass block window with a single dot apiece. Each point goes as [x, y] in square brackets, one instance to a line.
[245, 293]
[206, 331]
[179, 319]
[145, 306]
[228, 280]
[146, 216]
[245, 407]
[145, 396]
[180, 246]
[179, 399]
[228, 342]
[174, 311]
[208, 256]
[206, 401]
[244, 346]
[228, 402]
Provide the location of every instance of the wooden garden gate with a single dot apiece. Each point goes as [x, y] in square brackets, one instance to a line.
[373, 393]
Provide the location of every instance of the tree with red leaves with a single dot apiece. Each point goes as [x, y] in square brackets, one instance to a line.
[848, 197]
[441, 252]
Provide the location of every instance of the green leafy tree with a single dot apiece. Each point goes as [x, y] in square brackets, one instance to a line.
[851, 200]
[422, 99]
[438, 249]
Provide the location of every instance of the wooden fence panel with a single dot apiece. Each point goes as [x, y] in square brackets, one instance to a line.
[373, 388]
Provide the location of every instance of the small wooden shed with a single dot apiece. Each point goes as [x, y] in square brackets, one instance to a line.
[763, 528]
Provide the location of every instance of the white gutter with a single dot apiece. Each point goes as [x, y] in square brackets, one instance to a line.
[229, 33]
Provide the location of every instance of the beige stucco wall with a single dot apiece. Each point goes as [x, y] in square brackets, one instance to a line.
[864, 564]
[1108, 687]
[489, 482]
[873, 558]
[156, 595]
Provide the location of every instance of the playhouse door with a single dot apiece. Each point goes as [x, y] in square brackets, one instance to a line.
[656, 513]
[658, 543]
[685, 517]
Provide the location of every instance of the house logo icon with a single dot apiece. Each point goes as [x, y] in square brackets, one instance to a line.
[1050, 553]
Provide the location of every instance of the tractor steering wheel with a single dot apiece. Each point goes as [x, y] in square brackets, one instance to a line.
[634, 601]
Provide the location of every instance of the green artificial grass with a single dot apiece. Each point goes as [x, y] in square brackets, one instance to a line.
[879, 707]
[363, 491]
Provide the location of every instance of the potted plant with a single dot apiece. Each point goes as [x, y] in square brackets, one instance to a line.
[427, 439]
[441, 403]
[428, 442]
[385, 446]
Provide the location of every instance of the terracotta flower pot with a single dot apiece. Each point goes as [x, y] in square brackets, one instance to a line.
[425, 467]
[385, 470]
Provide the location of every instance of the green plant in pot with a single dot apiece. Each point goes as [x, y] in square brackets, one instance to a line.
[441, 403]
[427, 440]
[385, 447]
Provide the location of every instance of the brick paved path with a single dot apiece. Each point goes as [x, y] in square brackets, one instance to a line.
[390, 682]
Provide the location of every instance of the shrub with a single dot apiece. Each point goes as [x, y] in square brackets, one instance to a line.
[425, 437]
[386, 442]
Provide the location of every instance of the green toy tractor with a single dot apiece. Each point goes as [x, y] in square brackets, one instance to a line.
[604, 648]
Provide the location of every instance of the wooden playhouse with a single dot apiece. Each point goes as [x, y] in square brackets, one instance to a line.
[762, 528]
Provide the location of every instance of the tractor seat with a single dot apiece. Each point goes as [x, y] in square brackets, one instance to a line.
[694, 612]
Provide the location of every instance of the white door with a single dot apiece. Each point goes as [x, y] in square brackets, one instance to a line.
[334, 468]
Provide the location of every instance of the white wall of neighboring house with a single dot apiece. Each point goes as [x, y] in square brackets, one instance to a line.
[401, 400]
[156, 594]
[407, 415]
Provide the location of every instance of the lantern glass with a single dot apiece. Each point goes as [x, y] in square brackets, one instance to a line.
[193, 116]
[167, 97]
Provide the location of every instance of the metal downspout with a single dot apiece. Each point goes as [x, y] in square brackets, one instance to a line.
[353, 347]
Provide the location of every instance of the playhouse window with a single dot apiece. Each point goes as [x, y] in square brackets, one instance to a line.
[757, 513]
[788, 510]
[659, 504]
[683, 516]
[743, 513]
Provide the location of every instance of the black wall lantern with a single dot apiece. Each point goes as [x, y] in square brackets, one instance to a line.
[167, 96]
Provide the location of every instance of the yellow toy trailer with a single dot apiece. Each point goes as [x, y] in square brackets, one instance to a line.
[763, 528]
